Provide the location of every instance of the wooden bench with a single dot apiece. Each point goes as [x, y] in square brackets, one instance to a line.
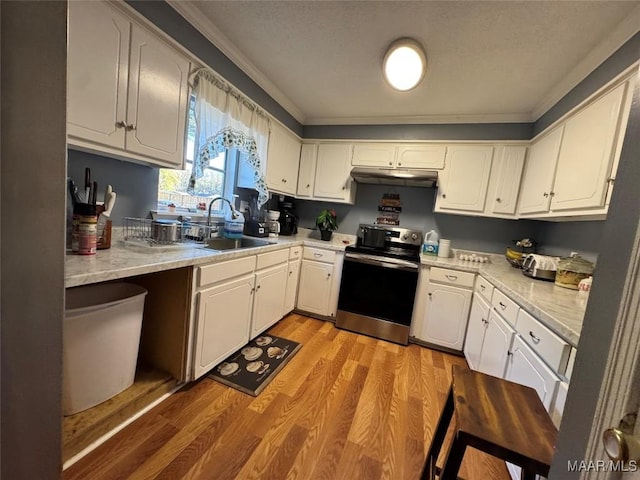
[496, 416]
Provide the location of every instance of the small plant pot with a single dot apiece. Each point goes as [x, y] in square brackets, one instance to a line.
[326, 235]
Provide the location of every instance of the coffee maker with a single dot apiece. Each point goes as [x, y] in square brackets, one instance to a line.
[288, 218]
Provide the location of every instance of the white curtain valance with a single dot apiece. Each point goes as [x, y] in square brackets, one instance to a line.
[226, 119]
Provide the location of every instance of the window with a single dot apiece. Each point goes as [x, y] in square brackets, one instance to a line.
[172, 184]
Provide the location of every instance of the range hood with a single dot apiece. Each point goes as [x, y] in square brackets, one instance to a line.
[395, 176]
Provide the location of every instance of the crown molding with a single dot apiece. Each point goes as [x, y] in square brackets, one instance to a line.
[192, 15]
[420, 119]
[613, 41]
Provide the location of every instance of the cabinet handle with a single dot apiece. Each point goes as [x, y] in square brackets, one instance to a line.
[284, 180]
[429, 294]
[453, 278]
[485, 321]
[482, 287]
[552, 194]
[290, 272]
[499, 200]
[308, 185]
[252, 290]
[257, 288]
[317, 255]
[534, 338]
[130, 128]
[509, 353]
[121, 125]
[545, 194]
[502, 305]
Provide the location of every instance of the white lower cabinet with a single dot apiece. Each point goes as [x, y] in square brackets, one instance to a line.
[268, 302]
[293, 276]
[223, 320]
[447, 310]
[320, 274]
[478, 318]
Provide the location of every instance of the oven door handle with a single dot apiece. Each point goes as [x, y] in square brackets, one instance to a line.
[384, 262]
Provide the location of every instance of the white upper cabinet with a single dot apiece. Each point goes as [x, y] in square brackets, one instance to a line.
[586, 154]
[504, 183]
[463, 182]
[333, 166]
[307, 172]
[127, 88]
[392, 155]
[283, 158]
[535, 194]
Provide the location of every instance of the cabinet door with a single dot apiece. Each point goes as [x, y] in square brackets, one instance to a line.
[374, 155]
[314, 291]
[586, 154]
[223, 319]
[268, 304]
[497, 343]
[421, 156]
[332, 172]
[293, 275]
[478, 320]
[526, 368]
[158, 98]
[282, 160]
[307, 173]
[506, 174]
[447, 314]
[98, 65]
[463, 182]
[539, 171]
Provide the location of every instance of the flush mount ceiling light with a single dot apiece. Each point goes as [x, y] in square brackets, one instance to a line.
[404, 64]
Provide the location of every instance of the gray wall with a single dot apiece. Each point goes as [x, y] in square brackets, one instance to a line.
[470, 233]
[136, 185]
[33, 154]
[560, 239]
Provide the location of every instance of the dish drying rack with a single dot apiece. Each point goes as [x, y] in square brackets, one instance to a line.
[139, 231]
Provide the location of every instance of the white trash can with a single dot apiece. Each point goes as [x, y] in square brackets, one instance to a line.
[100, 347]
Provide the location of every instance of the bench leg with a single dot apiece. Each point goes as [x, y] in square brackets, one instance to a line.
[429, 470]
[527, 475]
[454, 459]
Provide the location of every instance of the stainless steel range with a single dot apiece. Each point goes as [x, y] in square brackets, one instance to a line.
[379, 279]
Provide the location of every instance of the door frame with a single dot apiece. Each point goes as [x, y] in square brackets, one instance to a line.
[606, 378]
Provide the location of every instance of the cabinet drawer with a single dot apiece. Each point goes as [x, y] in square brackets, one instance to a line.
[452, 277]
[505, 306]
[295, 253]
[484, 288]
[272, 258]
[217, 272]
[547, 344]
[319, 255]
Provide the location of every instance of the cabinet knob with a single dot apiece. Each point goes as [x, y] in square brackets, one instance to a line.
[390, 163]
[308, 185]
[130, 128]
[444, 195]
[258, 288]
[284, 180]
[552, 194]
[344, 188]
[545, 194]
[429, 295]
[499, 200]
[328, 275]
[121, 125]
[290, 272]
[399, 164]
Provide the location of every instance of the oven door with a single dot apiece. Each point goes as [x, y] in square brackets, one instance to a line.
[378, 287]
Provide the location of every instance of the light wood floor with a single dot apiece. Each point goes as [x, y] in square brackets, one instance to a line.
[345, 407]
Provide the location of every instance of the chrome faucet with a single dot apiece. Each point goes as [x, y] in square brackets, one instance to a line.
[234, 212]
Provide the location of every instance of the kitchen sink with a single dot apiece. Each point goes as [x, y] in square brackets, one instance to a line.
[235, 243]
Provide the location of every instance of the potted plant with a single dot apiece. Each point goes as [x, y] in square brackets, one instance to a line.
[327, 222]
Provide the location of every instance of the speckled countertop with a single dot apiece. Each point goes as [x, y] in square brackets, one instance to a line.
[126, 259]
[560, 309]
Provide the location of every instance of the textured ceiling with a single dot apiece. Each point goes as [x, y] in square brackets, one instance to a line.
[487, 61]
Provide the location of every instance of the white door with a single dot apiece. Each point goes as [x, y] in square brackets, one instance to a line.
[314, 290]
[497, 342]
[293, 275]
[223, 319]
[507, 169]
[447, 313]
[157, 101]
[463, 182]
[539, 170]
[332, 171]
[586, 154]
[97, 69]
[526, 368]
[421, 156]
[268, 304]
[374, 155]
[307, 173]
[478, 320]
